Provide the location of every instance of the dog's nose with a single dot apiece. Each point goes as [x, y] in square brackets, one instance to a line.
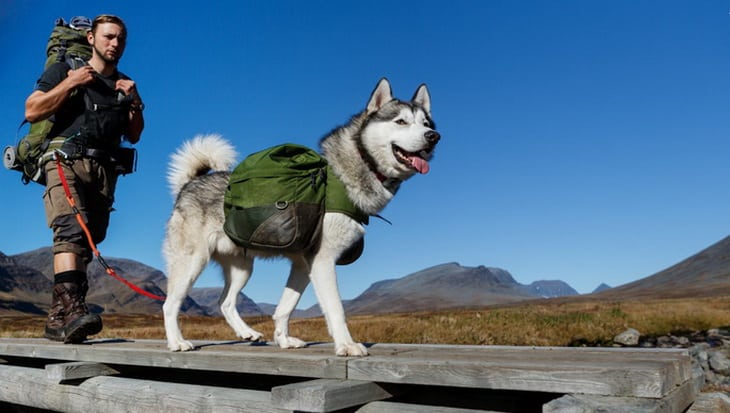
[432, 136]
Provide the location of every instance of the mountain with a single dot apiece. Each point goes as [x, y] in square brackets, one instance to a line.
[448, 286]
[442, 287]
[26, 281]
[551, 289]
[20, 287]
[207, 298]
[704, 274]
[602, 287]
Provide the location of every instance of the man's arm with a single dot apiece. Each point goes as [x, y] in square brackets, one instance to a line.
[40, 105]
[136, 124]
[136, 118]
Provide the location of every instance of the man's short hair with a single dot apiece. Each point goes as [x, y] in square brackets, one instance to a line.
[108, 18]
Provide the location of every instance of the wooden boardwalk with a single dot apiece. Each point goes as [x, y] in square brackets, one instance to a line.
[143, 376]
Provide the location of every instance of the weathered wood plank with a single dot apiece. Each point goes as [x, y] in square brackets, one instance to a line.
[58, 373]
[652, 372]
[255, 359]
[676, 401]
[634, 379]
[326, 395]
[677, 358]
[611, 372]
[114, 394]
[393, 407]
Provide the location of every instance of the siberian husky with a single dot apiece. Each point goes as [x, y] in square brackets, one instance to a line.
[372, 154]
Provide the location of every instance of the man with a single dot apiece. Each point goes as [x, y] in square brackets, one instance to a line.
[94, 108]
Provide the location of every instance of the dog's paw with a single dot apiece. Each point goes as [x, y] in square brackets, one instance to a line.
[251, 335]
[180, 345]
[351, 349]
[289, 342]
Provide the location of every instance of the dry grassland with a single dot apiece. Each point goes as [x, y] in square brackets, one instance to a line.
[541, 323]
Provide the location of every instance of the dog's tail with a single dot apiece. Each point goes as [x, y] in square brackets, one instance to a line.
[198, 156]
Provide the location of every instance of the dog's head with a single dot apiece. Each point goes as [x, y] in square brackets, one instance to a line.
[399, 137]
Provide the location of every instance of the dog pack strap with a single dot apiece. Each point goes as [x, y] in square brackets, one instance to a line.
[337, 200]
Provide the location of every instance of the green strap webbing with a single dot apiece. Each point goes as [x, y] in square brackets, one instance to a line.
[337, 200]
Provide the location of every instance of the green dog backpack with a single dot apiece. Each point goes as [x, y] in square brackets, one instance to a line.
[67, 43]
[275, 199]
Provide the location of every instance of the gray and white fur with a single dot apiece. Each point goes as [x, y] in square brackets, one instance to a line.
[372, 154]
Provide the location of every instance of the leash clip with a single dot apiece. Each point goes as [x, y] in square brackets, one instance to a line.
[59, 154]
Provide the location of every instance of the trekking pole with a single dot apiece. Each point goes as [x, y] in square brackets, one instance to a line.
[109, 270]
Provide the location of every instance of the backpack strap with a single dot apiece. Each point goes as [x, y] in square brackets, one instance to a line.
[337, 200]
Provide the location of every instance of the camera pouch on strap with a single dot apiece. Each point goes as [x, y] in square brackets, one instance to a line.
[275, 199]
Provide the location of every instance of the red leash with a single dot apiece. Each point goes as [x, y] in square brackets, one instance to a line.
[103, 263]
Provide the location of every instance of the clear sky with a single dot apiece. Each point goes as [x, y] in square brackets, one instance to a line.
[586, 141]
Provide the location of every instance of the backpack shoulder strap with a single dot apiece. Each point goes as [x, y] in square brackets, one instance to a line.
[337, 200]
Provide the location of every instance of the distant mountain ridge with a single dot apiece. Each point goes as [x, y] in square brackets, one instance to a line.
[602, 287]
[447, 286]
[207, 298]
[706, 273]
[26, 281]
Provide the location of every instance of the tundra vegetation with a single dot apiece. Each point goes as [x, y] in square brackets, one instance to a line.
[555, 322]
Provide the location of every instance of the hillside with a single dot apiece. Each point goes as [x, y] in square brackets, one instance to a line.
[447, 286]
[26, 280]
[25, 285]
[704, 274]
[20, 287]
[207, 298]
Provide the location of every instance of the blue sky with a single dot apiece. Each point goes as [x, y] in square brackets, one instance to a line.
[581, 140]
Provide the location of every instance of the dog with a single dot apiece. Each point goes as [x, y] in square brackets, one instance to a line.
[379, 148]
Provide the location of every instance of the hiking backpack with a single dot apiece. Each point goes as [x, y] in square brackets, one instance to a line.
[276, 200]
[67, 43]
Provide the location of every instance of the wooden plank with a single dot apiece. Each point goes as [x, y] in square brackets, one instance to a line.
[676, 363]
[676, 401]
[242, 357]
[632, 378]
[393, 407]
[610, 372]
[115, 394]
[678, 358]
[326, 395]
[61, 372]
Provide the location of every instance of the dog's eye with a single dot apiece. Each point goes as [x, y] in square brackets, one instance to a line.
[401, 122]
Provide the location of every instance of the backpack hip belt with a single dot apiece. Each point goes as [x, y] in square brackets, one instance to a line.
[124, 160]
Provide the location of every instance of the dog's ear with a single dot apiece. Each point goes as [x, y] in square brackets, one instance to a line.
[381, 95]
[422, 98]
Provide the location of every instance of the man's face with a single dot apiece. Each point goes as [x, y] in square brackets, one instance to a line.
[108, 42]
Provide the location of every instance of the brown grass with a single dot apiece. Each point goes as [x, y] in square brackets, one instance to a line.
[542, 323]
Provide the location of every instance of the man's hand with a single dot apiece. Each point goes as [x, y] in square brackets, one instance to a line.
[81, 76]
[128, 87]
[40, 105]
[136, 120]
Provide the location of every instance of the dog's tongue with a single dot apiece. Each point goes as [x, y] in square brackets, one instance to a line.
[420, 164]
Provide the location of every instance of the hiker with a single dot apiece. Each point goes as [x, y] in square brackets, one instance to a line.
[94, 107]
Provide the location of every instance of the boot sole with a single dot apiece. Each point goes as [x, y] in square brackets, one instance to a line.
[79, 329]
[54, 335]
